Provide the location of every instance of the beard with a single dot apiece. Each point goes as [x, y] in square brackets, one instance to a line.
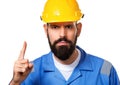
[65, 51]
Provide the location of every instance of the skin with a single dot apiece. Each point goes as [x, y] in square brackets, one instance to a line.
[23, 67]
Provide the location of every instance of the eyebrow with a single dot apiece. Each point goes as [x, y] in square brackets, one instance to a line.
[50, 25]
[74, 23]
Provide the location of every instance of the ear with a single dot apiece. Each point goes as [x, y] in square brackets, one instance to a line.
[79, 27]
[45, 28]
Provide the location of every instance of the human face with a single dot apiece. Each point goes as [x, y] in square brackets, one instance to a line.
[62, 38]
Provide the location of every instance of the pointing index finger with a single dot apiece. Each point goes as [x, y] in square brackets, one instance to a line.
[22, 52]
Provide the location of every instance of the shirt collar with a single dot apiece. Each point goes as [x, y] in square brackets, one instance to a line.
[85, 62]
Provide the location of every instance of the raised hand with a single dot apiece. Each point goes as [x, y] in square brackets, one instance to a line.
[22, 67]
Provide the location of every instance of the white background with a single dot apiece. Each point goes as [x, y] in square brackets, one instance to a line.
[20, 21]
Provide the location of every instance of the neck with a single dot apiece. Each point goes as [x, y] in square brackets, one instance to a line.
[71, 59]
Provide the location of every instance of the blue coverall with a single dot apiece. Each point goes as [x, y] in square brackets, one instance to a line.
[91, 70]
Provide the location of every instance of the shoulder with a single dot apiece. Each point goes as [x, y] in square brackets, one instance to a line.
[105, 65]
[42, 58]
[38, 62]
[96, 62]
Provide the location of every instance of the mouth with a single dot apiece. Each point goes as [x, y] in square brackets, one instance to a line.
[62, 43]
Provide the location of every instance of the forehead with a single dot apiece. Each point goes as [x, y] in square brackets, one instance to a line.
[62, 23]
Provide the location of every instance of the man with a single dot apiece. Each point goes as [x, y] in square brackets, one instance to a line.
[66, 64]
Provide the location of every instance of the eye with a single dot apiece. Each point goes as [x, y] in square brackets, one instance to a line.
[54, 26]
[69, 26]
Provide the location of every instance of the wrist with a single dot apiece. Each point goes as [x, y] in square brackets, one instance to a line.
[14, 83]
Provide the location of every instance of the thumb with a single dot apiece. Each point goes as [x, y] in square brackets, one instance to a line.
[31, 66]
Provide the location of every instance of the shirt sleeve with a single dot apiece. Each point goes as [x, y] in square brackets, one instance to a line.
[114, 79]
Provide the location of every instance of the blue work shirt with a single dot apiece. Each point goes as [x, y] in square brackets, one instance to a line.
[91, 70]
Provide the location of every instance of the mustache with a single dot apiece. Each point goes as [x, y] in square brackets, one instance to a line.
[62, 39]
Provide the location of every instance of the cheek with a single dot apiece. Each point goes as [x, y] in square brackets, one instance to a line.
[75, 34]
[72, 35]
[51, 37]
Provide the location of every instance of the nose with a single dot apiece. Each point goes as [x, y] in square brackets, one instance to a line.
[62, 32]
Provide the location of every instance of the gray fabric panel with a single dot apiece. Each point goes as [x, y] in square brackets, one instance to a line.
[106, 68]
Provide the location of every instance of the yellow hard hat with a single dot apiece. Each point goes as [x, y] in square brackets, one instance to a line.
[61, 11]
